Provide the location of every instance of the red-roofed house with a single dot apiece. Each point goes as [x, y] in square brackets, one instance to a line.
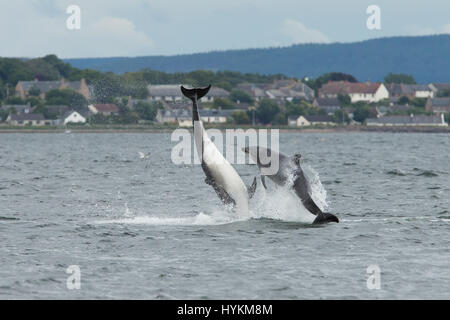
[358, 91]
[104, 109]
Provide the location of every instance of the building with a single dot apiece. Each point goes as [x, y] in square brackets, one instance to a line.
[253, 90]
[397, 90]
[73, 117]
[215, 93]
[182, 117]
[411, 120]
[17, 108]
[57, 111]
[42, 87]
[358, 91]
[31, 119]
[280, 90]
[172, 93]
[216, 116]
[438, 105]
[133, 102]
[305, 121]
[104, 109]
[330, 105]
[439, 88]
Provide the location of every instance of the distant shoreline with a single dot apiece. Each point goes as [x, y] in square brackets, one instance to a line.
[169, 129]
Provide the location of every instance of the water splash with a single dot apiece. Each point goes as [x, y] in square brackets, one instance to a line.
[318, 192]
[277, 203]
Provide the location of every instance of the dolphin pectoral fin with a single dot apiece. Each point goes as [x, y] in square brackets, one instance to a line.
[220, 191]
[311, 206]
[263, 181]
[223, 195]
[324, 217]
[251, 190]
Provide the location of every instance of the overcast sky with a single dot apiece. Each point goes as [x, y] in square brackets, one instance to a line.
[31, 28]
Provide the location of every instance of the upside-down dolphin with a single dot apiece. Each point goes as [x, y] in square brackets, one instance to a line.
[290, 172]
[220, 174]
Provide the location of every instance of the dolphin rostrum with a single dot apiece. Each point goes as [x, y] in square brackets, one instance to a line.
[220, 174]
[290, 172]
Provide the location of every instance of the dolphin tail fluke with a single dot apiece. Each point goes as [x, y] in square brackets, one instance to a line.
[195, 93]
[325, 217]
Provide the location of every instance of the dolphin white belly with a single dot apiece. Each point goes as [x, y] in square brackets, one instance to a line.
[224, 174]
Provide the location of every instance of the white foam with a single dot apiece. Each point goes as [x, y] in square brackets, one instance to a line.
[278, 203]
[318, 192]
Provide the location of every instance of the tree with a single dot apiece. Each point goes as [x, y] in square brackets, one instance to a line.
[43, 110]
[66, 97]
[3, 114]
[344, 100]
[241, 96]
[34, 91]
[147, 111]
[2, 90]
[444, 93]
[362, 113]
[340, 116]
[63, 68]
[223, 103]
[266, 111]
[418, 102]
[106, 88]
[240, 117]
[403, 100]
[42, 70]
[399, 78]
[295, 109]
[280, 119]
[14, 100]
[332, 76]
[34, 101]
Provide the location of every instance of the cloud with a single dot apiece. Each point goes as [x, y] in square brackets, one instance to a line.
[118, 36]
[418, 31]
[299, 33]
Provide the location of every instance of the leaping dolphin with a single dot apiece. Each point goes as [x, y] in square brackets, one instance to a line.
[290, 171]
[220, 174]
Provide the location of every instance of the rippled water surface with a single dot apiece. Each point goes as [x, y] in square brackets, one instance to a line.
[149, 229]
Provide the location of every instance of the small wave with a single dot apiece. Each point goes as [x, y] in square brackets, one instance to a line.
[425, 173]
[396, 173]
[200, 219]
[8, 219]
[416, 172]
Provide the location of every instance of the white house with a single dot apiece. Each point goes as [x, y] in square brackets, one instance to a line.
[411, 120]
[305, 121]
[73, 117]
[422, 91]
[358, 91]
